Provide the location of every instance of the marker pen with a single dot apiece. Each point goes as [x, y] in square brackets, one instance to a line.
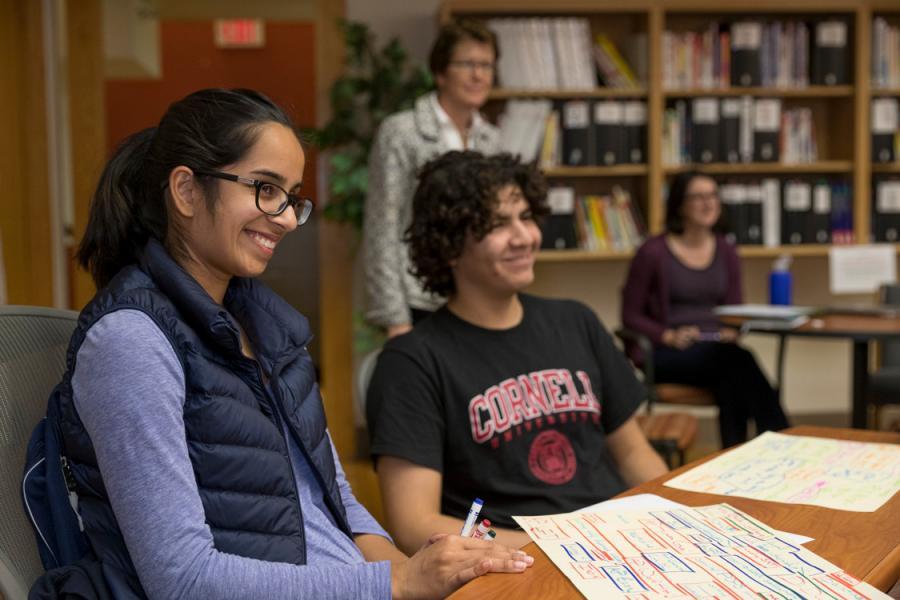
[709, 336]
[472, 517]
[482, 529]
[490, 535]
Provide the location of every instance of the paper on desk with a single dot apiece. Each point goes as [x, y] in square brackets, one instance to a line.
[654, 502]
[838, 474]
[706, 552]
[763, 311]
[861, 269]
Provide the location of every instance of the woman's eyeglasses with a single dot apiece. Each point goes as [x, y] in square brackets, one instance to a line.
[271, 198]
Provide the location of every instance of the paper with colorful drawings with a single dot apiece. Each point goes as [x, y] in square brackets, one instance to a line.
[837, 474]
[707, 552]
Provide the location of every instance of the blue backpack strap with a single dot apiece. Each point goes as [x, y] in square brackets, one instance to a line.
[48, 498]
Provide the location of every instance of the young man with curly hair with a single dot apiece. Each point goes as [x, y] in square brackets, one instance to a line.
[522, 401]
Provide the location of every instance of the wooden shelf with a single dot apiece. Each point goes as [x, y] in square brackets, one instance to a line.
[800, 250]
[613, 171]
[825, 166]
[813, 91]
[775, 251]
[557, 256]
[885, 91]
[509, 94]
[893, 167]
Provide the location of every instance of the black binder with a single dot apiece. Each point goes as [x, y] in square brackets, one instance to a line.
[705, 122]
[830, 56]
[746, 44]
[884, 128]
[558, 228]
[796, 213]
[635, 132]
[577, 138]
[730, 130]
[821, 211]
[731, 195]
[766, 129]
[886, 215]
[753, 211]
[609, 132]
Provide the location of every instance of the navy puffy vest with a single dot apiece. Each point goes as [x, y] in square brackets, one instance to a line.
[233, 426]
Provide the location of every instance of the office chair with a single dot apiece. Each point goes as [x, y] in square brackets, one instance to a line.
[33, 344]
[672, 433]
[884, 383]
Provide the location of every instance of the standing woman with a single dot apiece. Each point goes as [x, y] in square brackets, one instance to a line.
[674, 282]
[190, 414]
[462, 62]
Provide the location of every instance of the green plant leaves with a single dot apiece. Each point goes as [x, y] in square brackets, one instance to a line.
[376, 84]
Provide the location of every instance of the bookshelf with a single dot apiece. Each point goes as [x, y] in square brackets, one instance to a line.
[840, 113]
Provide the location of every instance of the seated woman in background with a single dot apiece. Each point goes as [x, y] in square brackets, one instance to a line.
[674, 282]
[190, 414]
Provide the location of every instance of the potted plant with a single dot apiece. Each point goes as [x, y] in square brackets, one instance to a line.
[376, 83]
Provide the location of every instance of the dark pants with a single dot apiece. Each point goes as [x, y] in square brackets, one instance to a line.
[730, 372]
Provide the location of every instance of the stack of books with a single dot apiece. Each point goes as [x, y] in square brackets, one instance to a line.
[737, 130]
[600, 222]
[885, 54]
[558, 54]
[753, 53]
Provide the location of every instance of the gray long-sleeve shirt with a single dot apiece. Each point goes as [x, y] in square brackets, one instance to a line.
[404, 143]
[128, 387]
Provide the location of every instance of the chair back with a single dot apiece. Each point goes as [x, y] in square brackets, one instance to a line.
[363, 376]
[33, 344]
[890, 349]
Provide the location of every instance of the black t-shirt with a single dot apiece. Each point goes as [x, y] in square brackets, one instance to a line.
[517, 417]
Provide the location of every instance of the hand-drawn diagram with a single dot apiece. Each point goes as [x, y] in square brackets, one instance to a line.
[708, 552]
[836, 474]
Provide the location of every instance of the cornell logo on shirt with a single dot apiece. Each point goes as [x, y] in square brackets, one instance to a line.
[528, 400]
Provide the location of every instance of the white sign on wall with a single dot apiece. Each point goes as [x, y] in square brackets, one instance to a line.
[861, 269]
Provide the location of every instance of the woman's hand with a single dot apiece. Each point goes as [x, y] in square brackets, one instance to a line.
[681, 337]
[446, 562]
[728, 334]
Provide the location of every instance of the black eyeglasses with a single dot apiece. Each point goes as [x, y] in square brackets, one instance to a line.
[271, 198]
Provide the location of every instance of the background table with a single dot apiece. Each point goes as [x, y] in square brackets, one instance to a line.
[866, 545]
[860, 329]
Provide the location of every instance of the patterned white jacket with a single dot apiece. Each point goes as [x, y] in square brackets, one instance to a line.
[404, 143]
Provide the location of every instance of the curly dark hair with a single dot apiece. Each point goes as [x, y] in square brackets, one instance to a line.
[457, 196]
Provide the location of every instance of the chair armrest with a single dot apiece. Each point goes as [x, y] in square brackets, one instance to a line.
[646, 346]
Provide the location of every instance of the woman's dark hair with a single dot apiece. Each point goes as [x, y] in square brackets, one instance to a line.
[676, 199]
[457, 196]
[453, 33]
[205, 130]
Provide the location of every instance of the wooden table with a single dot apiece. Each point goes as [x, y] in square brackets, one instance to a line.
[866, 545]
[860, 329]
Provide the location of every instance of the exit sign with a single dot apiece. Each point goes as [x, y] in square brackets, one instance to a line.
[240, 33]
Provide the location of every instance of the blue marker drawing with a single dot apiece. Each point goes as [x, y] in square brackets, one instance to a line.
[761, 578]
[577, 552]
[667, 562]
[624, 579]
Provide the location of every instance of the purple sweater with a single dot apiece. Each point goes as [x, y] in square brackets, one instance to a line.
[645, 298]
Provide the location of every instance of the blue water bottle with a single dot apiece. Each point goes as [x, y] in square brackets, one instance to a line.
[780, 281]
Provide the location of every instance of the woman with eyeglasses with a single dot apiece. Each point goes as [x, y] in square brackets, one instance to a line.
[190, 414]
[674, 282]
[462, 62]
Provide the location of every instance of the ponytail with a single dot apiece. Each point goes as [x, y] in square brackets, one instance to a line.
[125, 212]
